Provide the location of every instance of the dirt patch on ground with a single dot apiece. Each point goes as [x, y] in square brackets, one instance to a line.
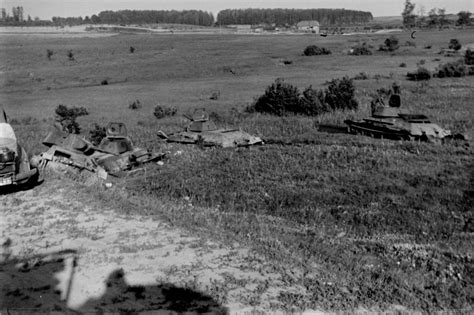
[60, 253]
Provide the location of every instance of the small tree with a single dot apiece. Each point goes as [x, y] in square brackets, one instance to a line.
[407, 14]
[464, 18]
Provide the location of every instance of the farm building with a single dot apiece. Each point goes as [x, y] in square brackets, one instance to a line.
[308, 26]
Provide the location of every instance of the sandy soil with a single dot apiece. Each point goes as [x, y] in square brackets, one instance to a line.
[62, 251]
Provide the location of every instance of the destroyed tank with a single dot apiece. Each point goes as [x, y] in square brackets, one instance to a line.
[202, 130]
[15, 167]
[393, 122]
[114, 155]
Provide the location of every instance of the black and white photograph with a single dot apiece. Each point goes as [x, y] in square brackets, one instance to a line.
[236, 157]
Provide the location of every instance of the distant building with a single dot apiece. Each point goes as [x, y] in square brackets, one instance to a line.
[308, 26]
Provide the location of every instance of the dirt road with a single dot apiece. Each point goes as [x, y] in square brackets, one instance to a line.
[62, 250]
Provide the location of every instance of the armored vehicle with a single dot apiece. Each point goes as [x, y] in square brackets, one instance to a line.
[114, 155]
[394, 122]
[202, 130]
[15, 166]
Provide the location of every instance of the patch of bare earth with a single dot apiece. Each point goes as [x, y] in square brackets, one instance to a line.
[63, 251]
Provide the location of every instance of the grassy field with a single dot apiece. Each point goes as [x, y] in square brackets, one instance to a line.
[361, 223]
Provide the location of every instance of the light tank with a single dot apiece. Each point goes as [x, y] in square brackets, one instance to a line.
[393, 122]
[202, 130]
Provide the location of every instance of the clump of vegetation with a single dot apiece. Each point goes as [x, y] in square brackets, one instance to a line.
[49, 53]
[135, 105]
[410, 43]
[452, 69]
[287, 62]
[454, 44]
[403, 65]
[469, 57]
[97, 134]
[390, 44]
[419, 75]
[282, 98]
[104, 82]
[132, 49]
[162, 111]
[360, 50]
[66, 117]
[314, 50]
[361, 76]
[70, 55]
[215, 95]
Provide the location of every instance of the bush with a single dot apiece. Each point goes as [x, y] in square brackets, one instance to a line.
[360, 50]
[340, 94]
[452, 69]
[454, 44]
[162, 111]
[104, 82]
[49, 53]
[312, 103]
[315, 50]
[97, 134]
[361, 76]
[469, 57]
[390, 44]
[282, 98]
[410, 43]
[135, 105]
[403, 65]
[419, 75]
[67, 117]
[279, 98]
[70, 55]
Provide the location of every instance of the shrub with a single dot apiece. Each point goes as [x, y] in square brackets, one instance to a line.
[469, 57]
[454, 44]
[361, 76]
[104, 82]
[312, 103]
[360, 50]
[452, 69]
[278, 99]
[282, 98]
[135, 105]
[403, 65]
[410, 43]
[162, 111]
[390, 44]
[340, 94]
[419, 75]
[70, 55]
[97, 134]
[49, 53]
[315, 50]
[132, 49]
[67, 117]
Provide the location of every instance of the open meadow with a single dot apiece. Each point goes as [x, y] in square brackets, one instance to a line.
[356, 222]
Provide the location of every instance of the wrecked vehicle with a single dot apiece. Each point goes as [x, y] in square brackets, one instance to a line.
[202, 130]
[396, 123]
[15, 167]
[114, 155]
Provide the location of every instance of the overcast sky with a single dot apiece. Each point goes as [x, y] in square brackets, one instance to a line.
[45, 9]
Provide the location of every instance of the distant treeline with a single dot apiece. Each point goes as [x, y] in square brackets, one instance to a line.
[191, 17]
[289, 17]
[278, 17]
